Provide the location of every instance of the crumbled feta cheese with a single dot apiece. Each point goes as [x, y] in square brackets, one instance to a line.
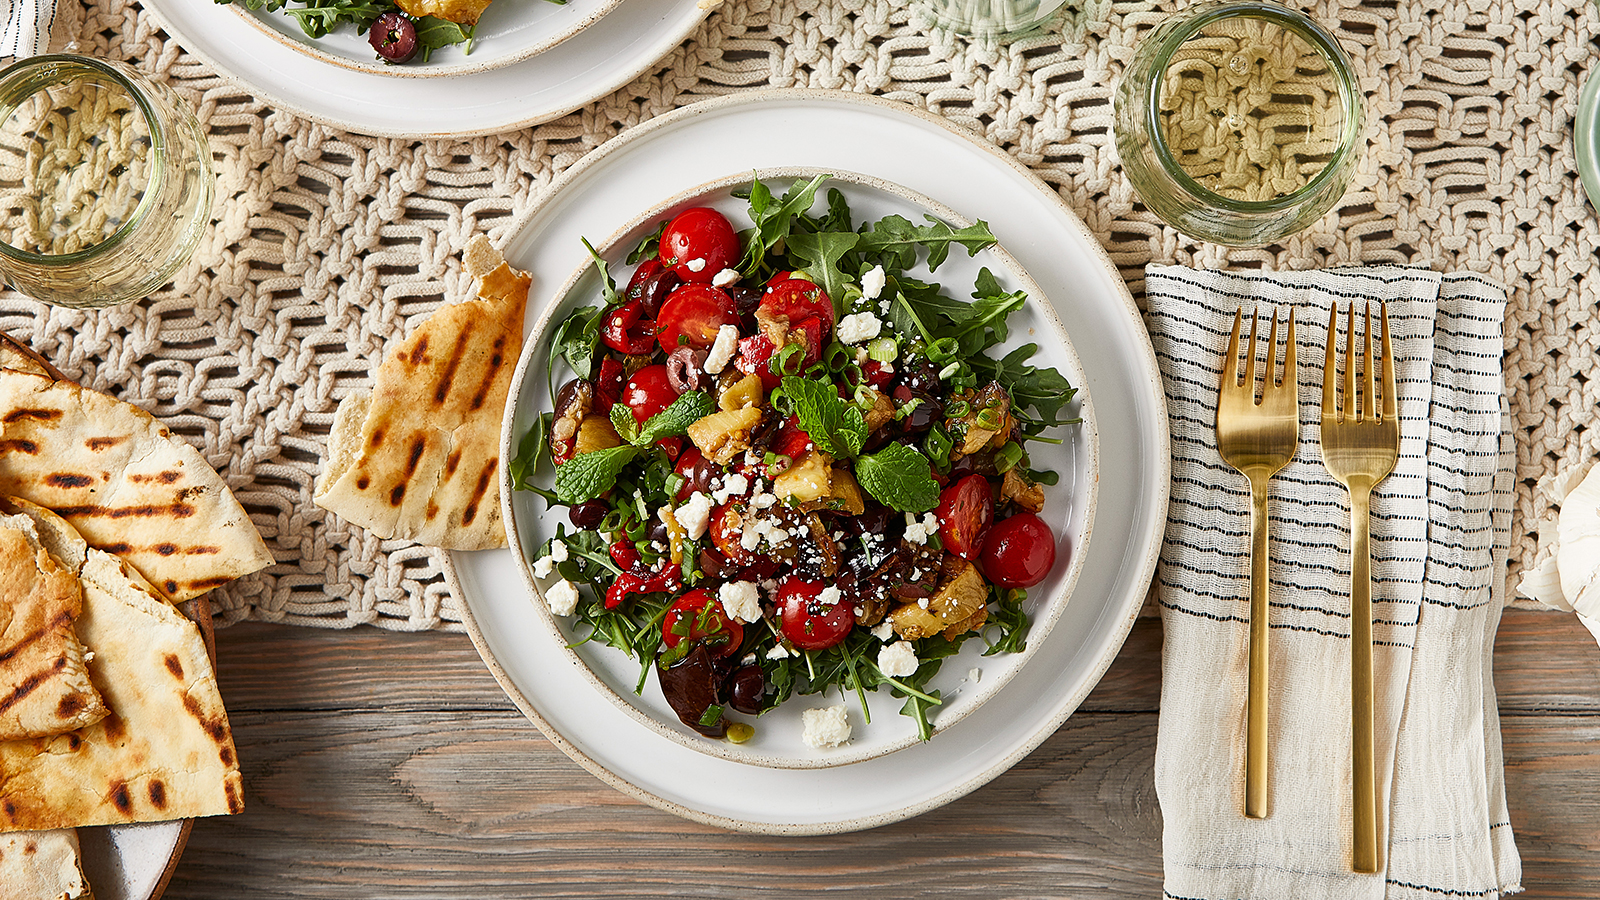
[830, 596]
[916, 532]
[694, 515]
[827, 727]
[898, 660]
[922, 602]
[722, 349]
[884, 630]
[558, 551]
[725, 278]
[695, 265]
[872, 283]
[858, 327]
[736, 484]
[778, 652]
[762, 499]
[740, 600]
[750, 538]
[543, 565]
[778, 536]
[563, 598]
[974, 674]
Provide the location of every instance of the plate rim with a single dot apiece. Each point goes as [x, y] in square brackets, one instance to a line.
[403, 70]
[532, 355]
[1144, 566]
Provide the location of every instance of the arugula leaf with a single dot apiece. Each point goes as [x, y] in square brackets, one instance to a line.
[774, 220]
[577, 341]
[530, 450]
[588, 475]
[434, 33]
[609, 291]
[821, 253]
[895, 240]
[837, 427]
[900, 478]
[1044, 390]
[650, 247]
[690, 407]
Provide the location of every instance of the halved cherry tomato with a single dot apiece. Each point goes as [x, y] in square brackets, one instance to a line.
[698, 616]
[640, 275]
[628, 331]
[727, 532]
[648, 392]
[807, 622]
[791, 440]
[692, 315]
[756, 352]
[608, 384]
[797, 300]
[966, 510]
[1018, 552]
[700, 234]
[695, 472]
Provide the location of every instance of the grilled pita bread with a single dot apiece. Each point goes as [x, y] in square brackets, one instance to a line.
[126, 483]
[419, 458]
[165, 751]
[41, 865]
[44, 678]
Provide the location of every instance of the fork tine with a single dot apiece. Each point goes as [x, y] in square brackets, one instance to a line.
[1330, 374]
[1290, 376]
[1230, 362]
[1250, 356]
[1369, 401]
[1389, 413]
[1350, 363]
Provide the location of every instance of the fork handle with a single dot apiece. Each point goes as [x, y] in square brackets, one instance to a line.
[1255, 756]
[1363, 774]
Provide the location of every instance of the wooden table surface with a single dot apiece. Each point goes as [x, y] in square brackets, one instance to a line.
[380, 764]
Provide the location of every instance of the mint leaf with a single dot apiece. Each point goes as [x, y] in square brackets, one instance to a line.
[896, 240]
[623, 421]
[900, 478]
[690, 407]
[588, 475]
[837, 428]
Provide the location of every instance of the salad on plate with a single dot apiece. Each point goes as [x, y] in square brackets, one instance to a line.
[397, 30]
[790, 464]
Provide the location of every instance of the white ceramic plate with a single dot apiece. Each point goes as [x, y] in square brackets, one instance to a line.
[844, 132]
[509, 32]
[1069, 507]
[585, 67]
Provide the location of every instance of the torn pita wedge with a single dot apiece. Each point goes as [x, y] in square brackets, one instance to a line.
[41, 865]
[165, 751]
[44, 678]
[126, 483]
[419, 458]
[14, 354]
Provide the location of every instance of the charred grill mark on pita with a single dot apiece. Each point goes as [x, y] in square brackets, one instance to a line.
[397, 495]
[19, 445]
[484, 479]
[30, 848]
[117, 549]
[419, 353]
[68, 480]
[225, 753]
[433, 510]
[114, 727]
[158, 794]
[235, 802]
[73, 741]
[496, 360]
[171, 586]
[202, 550]
[206, 584]
[174, 665]
[61, 620]
[363, 483]
[121, 798]
[165, 549]
[103, 443]
[10, 810]
[377, 438]
[441, 390]
[215, 726]
[450, 463]
[176, 510]
[417, 446]
[42, 415]
[167, 477]
[28, 684]
[70, 706]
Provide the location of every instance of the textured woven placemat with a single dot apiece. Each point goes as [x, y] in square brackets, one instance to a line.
[327, 245]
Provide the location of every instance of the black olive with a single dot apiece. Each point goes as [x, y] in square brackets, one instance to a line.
[745, 688]
[711, 563]
[745, 299]
[653, 290]
[697, 477]
[394, 37]
[690, 686]
[657, 532]
[588, 514]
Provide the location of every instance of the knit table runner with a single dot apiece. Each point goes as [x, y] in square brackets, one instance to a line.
[329, 246]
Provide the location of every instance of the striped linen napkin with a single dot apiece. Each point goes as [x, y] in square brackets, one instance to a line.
[26, 29]
[1440, 532]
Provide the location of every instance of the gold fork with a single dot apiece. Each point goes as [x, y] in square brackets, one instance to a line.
[1359, 447]
[1258, 439]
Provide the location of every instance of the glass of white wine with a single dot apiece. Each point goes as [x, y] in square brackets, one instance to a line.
[106, 181]
[1239, 122]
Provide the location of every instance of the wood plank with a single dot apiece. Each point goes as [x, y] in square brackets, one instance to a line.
[458, 804]
[1546, 661]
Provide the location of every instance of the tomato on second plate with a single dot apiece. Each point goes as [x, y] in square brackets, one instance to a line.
[692, 315]
[1019, 551]
[966, 510]
[697, 616]
[807, 622]
[702, 238]
[648, 392]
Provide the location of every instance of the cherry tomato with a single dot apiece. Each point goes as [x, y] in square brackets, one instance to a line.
[756, 352]
[640, 275]
[727, 535]
[877, 374]
[791, 440]
[627, 330]
[966, 510]
[648, 392]
[695, 472]
[692, 315]
[807, 622]
[608, 384]
[1018, 552]
[798, 300]
[697, 616]
[699, 236]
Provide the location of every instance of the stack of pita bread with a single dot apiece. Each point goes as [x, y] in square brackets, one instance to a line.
[419, 457]
[109, 708]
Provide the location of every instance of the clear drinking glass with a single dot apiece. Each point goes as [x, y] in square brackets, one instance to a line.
[105, 181]
[1239, 122]
[986, 18]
